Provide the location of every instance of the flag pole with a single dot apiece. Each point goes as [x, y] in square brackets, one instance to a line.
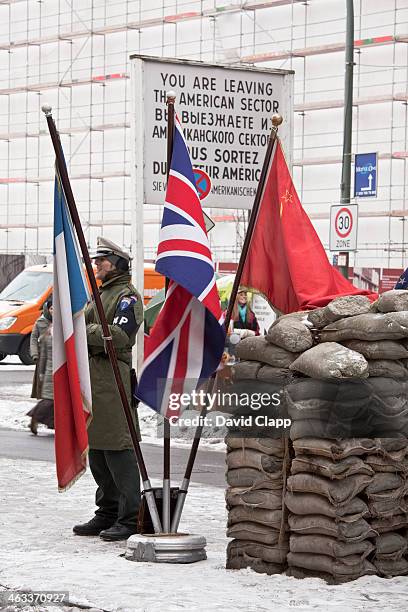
[170, 100]
[276, 122]
[110, 349]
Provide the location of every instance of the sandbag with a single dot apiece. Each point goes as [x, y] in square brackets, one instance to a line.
[291, 334]
[243, 560]
[270, 500]
[240, 458]
[247, 369]
[240, 514]
[344, 306]
[392, 301]
[371, 326]
[304, 389]
[300, 573]
[270, 554]
[270, 374]
[335, 470]
[334, 449]
[387, 367]
[385, 484]
[336, 491]
[316, 428]
[390, 545]
[380, 349]
[346, 394]
[390, 523]
[331, 361]
[395, 461]
[316, 318]
[348, 566]
[254, 533]
[325, 545]
[391, 567]
[386, 506]
[256, 348]
[310, 503]
[317, 524]
[268, 446]
[250, 477]
[339, 449]
[336, 413]
[392, 425]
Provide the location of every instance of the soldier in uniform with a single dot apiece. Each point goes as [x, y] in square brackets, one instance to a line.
[111, 455]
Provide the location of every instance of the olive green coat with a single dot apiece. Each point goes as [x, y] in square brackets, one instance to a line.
[108, 429]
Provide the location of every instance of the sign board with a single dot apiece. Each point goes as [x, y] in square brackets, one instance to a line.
[209, 223]
[389, 278]
[263, 312]
[365, 175]
[226, 115]
[343, 227]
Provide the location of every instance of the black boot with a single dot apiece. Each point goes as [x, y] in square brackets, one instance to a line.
[93, 527]
[117, 532]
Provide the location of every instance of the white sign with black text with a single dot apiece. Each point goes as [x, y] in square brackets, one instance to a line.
[226, 117]
[343, 227]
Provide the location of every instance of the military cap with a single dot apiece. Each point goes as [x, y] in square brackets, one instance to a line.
[107, 248]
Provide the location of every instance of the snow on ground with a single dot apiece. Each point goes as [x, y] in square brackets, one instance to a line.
[15, 402]
[39, 552]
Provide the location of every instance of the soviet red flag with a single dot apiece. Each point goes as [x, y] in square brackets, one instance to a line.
[286, 260]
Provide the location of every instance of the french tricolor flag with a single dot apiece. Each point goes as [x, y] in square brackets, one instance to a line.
[72, 385]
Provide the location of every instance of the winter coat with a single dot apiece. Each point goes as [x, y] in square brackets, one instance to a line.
[250, 323]
[123, 308]
[45, 364]
[39, 328]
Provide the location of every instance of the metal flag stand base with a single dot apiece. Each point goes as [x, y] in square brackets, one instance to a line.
[166, 548]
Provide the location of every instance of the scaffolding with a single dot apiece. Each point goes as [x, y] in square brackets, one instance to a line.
[73, 54]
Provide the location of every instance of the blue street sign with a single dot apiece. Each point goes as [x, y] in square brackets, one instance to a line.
[365, 175]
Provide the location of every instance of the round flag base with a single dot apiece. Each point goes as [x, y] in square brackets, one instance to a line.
[166, 548]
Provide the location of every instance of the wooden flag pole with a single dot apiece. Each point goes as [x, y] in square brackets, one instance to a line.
[170, 100]
[110, 349]
[276, 122]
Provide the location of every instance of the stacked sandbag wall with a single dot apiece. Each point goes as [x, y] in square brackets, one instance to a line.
[330, 534]
[256, 472]
[344, 376]
[257, 467]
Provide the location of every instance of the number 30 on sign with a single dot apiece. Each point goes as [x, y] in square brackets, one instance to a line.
[343, 227]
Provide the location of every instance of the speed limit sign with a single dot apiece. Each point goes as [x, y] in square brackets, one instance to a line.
[343, 227]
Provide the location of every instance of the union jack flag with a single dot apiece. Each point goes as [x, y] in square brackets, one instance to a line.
[187, 340]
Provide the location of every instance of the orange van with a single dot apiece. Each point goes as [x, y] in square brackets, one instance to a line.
[21, 303]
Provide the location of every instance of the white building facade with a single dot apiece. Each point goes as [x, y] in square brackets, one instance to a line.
[74, 55]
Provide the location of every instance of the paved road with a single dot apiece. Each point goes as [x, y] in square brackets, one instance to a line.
[210, 465]
[12, 373]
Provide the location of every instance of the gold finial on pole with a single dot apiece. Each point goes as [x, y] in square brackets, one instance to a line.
[277, 120]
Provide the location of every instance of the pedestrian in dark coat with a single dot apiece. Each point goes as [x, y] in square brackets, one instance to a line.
[243, 316]
[40, 326]
[43, 411]
[111, 455]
